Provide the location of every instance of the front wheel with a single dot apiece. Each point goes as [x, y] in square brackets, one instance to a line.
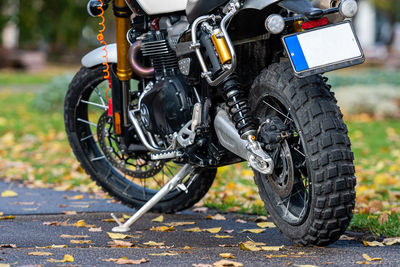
[310, 196]
[135, 178]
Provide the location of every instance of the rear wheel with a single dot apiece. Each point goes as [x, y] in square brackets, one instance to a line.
[310, 195]
[135, 178]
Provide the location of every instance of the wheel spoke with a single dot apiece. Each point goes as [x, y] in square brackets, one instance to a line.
[98, 158]
[100, 96]
[277, 110]
[87, 122]
[95, 104]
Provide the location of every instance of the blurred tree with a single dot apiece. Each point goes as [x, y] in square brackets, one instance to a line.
[58, 24]
[391, 8]
[4, 15]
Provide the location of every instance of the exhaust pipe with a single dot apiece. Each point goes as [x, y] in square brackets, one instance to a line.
[136, 65]
[228, 135]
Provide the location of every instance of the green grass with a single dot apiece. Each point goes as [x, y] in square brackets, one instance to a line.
[370, 224]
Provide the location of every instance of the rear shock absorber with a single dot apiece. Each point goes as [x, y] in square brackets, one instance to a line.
[239, 108]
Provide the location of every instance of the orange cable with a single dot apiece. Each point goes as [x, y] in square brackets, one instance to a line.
[100, 38]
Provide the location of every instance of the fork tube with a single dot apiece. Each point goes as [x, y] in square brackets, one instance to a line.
[124, 71]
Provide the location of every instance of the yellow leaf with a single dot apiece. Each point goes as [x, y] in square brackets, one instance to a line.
[5, 265]
[80, 223]
[158, 219]
[67, 258]
[164, 254]
[254, 231]
[266, 225]
[124, 260]
[305, 265]
[74, 236]
[227, 255]
[76, 197]
[249, 247]
[113, 221]
[272, 248]
[117, 235]
[222, 263]
[373, 244]
[276, 256]
[80, 241]
[1, 213]
[162, 229]
[391, 241]
[195, 229]
[213, 230]
[152, 243]
[368, 258]
[126, 216]
[223, 236]
[95, 229]
[40, 253]
[54, 246]
[217, 217]
[9, 193]
[9, 217]
[179, 223]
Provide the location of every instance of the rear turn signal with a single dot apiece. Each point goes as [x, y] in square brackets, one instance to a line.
[314, 23]
[275, 24]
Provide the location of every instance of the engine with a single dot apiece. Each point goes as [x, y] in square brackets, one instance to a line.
[166, 105]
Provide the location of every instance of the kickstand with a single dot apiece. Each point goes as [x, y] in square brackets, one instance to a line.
[171, 185]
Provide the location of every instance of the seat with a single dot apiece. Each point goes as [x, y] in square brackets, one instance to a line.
[197, 8]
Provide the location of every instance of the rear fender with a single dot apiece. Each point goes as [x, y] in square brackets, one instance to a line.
[297, 6]
[96, 57]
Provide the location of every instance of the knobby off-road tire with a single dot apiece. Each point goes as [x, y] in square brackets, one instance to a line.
[327, 154]
[86, 149]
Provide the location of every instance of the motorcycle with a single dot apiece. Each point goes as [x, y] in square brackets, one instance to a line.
[200, 84]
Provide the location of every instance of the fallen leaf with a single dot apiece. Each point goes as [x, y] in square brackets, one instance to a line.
[229, 231]
[162, 229]
[217, 217]
[124, 260]
[55, 223]
[266, 225]
[113, 221]
[345, 237]
[222, 263]
[254, 231]
[120, 244]
[152, 243]
[179, 223]
[368, 258]
[74, 236]
[1, 213]
[227, 255]
[69, 212]
[8, 246]
[126, 216]
[81, 223]
[40, 253]
[305, 265]
[76, 197]
[391, 241]
[9, 217]
[5, 265]
[117, 235]
[24, 203]
[54, 246]
[223, 236]
[200, 209]
[383, 218]
[213, 230]
[195, 229]
[373, 244]
[67, 258]
[271, 248]
[164, 254]
[240, 221]
[201, 265]
[95, 229]
[249, 247]
[80, 241]
[9, 193]
[275, 256]
[158, 219]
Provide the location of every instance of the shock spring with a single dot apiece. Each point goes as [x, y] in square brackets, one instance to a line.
[239, 108]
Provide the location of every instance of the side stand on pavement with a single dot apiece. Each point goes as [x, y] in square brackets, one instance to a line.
[171, 185]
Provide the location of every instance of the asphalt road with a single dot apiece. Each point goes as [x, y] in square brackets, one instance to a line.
[34, 207]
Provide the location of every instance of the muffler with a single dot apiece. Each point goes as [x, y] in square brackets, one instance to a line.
[228, 135]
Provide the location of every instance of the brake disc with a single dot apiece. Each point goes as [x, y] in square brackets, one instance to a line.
[282, 179]
[136, 166]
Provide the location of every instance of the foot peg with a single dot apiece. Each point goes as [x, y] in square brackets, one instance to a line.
[171, 185]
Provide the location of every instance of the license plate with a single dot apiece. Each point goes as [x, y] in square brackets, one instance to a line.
[323, 49]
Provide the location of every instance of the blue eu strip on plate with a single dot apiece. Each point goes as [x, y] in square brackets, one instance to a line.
[296, 53]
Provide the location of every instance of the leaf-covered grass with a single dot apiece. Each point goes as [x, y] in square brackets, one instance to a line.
[370, 224]
[34, 148]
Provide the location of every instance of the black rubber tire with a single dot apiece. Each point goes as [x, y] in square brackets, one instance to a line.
[327, 149]
[102, 171]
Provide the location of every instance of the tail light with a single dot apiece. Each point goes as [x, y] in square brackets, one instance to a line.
[314, 23]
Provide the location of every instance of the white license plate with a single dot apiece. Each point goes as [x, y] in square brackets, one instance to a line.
[323, 49]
